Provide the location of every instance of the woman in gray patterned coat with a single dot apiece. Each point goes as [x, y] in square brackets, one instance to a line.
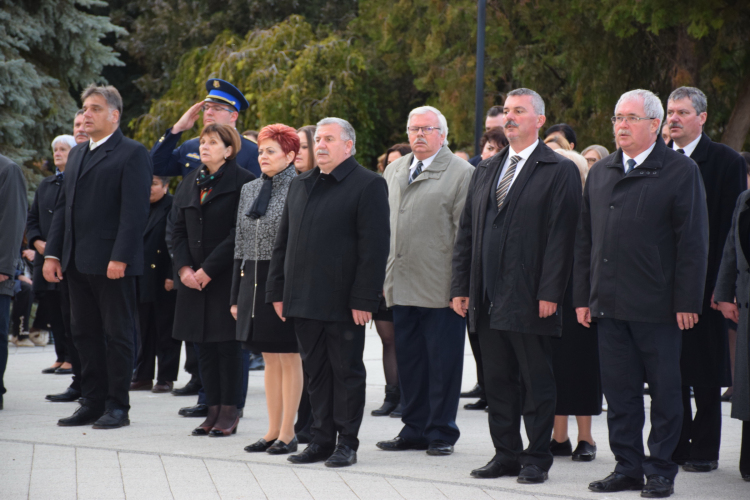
[258, 326]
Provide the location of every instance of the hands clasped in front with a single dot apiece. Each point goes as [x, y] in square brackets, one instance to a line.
[197, 280]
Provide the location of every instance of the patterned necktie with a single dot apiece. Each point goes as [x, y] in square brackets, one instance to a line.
[681, 151]
[631, 166]
[504, 186]
[416, 173]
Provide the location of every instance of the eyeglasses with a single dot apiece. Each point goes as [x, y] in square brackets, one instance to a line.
[215, 107]
[425, 130]
[631, 119]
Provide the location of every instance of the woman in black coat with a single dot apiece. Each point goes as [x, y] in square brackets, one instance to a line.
[203, 247]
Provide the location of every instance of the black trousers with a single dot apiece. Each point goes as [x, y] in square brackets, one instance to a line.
[70, 347]
[512, 360]
[630, 352]
[19, 316]
[430, 356]
[103, 318]
[331, 353]
[221, 367]
[304, 412]
[191, 360]
[49, 317]
[476, 351]
[155, 341]
[745, 448]
[700, 438]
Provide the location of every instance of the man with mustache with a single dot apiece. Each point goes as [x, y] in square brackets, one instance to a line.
[79, 131]
[705, 348]
[640, 270]
[511, 262]
[426, 190]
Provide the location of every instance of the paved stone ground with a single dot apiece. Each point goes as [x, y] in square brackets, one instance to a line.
[156, 458]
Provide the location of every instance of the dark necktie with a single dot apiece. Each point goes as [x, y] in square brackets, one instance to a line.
[681, 151]
[631, 166]
[502, 189]
[416, 172]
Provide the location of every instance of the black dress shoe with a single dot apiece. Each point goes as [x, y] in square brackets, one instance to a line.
[476, 392]
[584, 452]
[481, 404]
[564, 449]
[745, 477]
[68, 396]
[194, 411]
[343, 456]
[141, 385]
[495, 469]
[700, 465]
[304, 437]
[51, 369]
[259, 445]
[84, 415]
[532, 474]
[112, 419]
[657, 487]
[439, 448]
[385, 410]
[313, 453]
[397, 412]
[400, 444]
[616, 482]
[64, 371]
[190, 389]
[282, 448]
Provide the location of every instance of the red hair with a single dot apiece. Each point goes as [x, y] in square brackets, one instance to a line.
[286, 137]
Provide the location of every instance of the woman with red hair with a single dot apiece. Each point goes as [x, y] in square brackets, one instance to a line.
[258, 327]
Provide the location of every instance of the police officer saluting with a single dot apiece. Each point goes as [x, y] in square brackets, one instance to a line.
[222, 105]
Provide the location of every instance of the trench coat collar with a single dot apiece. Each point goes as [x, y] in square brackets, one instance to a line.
[161, 209]
[433, 171]
[344, 168]
[101, 152]
[654, 161]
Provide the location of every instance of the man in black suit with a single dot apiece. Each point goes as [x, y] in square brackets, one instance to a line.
[96, 238]
[511, 263]
[326, 273]
[640, 270]
[705, 353]
[156, 300]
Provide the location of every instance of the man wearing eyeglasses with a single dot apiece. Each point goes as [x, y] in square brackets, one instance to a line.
[426, 193]
[640, 269]
[222, 105]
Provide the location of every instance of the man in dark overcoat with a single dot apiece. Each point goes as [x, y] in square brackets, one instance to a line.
[705, 354]
[511, 263]
[640, 269]
[96, 238]
[326, 274]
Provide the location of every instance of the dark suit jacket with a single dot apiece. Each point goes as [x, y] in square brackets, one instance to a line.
[536, 245]
[39, 222]
[102, 209]
[332, 244]
[642, 243]
[158, 264]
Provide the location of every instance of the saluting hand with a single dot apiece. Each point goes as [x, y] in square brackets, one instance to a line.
[686, 320]
[187, 120]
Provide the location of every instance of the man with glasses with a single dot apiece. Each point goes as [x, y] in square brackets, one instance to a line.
[640, 270]
[426, 193]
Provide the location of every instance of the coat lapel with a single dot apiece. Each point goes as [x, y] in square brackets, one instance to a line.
[227, 183]
[158, 213]
[101, 152]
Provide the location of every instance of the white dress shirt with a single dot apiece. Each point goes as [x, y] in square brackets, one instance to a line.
[638, 159]
[425, 163]
[689, 148]
[524, 156]
[95, 144]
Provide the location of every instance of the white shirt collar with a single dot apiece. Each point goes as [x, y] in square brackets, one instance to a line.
[425, 163]
[690, 147]
[95, 144]
[525, 153]
[638, 159]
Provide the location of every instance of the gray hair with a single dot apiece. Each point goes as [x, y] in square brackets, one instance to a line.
[697, 97]
[536, 99]
[67, 139]
[441, 119]
[600, 150]
[347, 131]
[79, 112]
[108, 92]
[651, 104]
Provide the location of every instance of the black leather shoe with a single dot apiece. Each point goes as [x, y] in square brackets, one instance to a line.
[564, 449]
[657, 487]
[481, 404]
[700, 465]
[397, 412]
[495, 469]
[616, 482]
[112, 419]
[64, 371]
[343, 456]
[745, 477]
[68, 396]
[51, 369]
[476, 392]
[532, 474]
[313, 453]
[400, 444]
[384, 410]
[584, 452]
[259, 445]
[194, 411]
[439, 448]
[190, 389]
[84, 415]
[282, 448]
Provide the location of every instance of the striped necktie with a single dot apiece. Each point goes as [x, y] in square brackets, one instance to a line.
[504, 186]
[416, 173]
[631, 166]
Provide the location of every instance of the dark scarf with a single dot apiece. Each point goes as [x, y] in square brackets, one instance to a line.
[60, 175]
[206, 180]
[260, 205]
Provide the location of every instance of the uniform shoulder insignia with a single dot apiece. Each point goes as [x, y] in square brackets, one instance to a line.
[194, 156]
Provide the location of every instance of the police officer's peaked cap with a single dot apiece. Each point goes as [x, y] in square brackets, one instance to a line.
[223, 92]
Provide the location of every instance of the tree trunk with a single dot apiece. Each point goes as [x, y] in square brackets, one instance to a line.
[739, 122]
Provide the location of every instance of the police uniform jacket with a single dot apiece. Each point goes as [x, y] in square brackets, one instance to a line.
[39, 222]
[157, 262]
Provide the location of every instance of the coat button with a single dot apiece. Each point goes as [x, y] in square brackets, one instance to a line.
[601, 314]
[611, 207]
[605, 260]
[158, 251]
[187, 164]
[153, 266]
[50, 211]
[398, 256]
[401, 211]
[494, 226]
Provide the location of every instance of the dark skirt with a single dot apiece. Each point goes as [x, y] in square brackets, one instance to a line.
[384, 313]
[261, 329]
[575, 361]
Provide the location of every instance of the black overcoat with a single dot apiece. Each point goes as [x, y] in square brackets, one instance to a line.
[38, 224]
[536, 253]
[157, 262]
[203, 238]
[104, 206]
[332, 245]
[642, 243]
